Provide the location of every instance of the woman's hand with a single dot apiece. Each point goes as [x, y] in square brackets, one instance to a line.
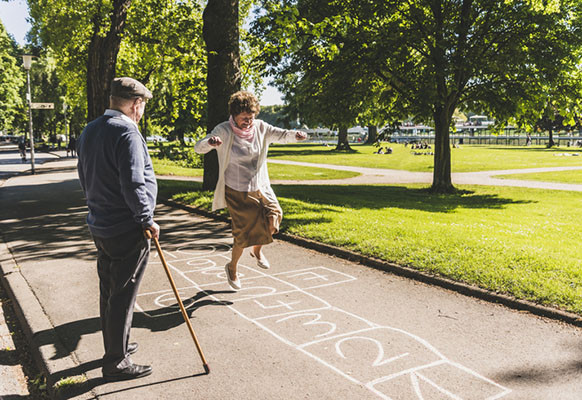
[300, 135]
[214, 141]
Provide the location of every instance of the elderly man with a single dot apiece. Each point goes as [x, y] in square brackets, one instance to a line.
[116, 174]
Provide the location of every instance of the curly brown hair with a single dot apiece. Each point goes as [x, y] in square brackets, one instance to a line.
[243, 102]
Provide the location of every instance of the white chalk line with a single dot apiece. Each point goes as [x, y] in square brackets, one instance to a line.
[301, 347]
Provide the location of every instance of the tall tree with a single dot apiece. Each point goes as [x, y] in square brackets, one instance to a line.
[221, 34]
[436, 55]
[11, 81]
[102, 54]
[171, 60]
[310, 58]
[108, 37]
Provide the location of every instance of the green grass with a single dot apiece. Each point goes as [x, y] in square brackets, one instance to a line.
[465, 159]
[574, 176]
[293, 172]
[167, 167]
[276, 171]
[512, 240]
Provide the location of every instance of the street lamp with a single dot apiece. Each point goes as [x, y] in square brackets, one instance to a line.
[27, 61]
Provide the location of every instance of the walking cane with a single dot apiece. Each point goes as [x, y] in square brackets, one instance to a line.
[184, 314]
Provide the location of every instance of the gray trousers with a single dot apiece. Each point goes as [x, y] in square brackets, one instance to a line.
[121, 262]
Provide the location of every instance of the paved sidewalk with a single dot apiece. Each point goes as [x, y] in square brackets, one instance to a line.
[312, 327]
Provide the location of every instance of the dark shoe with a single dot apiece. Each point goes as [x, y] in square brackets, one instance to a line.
[134, 371]
[132, 348]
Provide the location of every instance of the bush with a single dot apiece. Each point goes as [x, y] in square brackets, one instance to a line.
[182, 156]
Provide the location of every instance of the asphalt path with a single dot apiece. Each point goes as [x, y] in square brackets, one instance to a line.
[312, 327]
[11, 164]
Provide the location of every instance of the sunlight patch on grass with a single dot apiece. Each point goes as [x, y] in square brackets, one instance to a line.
[572, 177]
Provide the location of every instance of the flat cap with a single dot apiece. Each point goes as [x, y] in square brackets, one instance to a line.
[129, 88]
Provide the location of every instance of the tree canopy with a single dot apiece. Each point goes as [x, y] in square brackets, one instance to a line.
[12, 80]
[422, 58]
[168, 57]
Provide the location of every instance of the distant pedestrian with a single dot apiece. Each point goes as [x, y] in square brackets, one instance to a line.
[72, 146]
[22, 148]
[116, 174]
[243, 186]
[53, 140]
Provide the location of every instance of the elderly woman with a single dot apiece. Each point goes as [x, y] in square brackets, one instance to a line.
[243, 184]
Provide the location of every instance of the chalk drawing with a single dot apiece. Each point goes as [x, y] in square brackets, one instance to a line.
[386, 360]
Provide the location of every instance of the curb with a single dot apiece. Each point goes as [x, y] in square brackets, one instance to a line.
[39, 331]
[410, 273]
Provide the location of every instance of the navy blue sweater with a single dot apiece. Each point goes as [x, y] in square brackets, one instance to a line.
[116, 174]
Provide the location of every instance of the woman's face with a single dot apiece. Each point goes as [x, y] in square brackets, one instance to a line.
[244, 120]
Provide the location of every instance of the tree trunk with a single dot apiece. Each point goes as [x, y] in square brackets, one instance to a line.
[551, 142]
[221, 34]
[372, 134]
[342, 139]
[442, 182]
[102, 59]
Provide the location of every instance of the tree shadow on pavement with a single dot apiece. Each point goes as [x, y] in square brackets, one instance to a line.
[157, 320]
[48, 221]
[566, 371]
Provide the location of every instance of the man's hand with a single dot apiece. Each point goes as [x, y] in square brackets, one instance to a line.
[214, 141]
[154, 230]
[300, 135]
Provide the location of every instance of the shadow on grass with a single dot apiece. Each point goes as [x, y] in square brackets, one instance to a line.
[356, 197]
[378, 197]
[309, 149]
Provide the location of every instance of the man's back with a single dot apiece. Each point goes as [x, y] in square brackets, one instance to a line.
[116, 175]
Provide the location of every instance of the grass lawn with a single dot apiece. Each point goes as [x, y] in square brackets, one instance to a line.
[574, 176]
[167, 167]
[465, 159]
[276, 171]
[513, 240]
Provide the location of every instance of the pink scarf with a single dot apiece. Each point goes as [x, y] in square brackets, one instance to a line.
[246, 134]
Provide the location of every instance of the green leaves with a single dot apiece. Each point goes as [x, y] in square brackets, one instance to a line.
[162, 46]
[12, 79]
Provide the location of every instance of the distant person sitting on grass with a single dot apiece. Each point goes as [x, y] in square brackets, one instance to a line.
[243, 184]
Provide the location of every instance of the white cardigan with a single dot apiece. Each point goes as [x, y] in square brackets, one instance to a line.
[266, 134]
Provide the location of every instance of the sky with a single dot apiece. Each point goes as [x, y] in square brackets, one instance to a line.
[13, 15]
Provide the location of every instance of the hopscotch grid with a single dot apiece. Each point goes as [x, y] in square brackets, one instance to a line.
[416, 386]
[406, 372]
[331, 338]
[370, 385]
[437, 387]
[308, 310]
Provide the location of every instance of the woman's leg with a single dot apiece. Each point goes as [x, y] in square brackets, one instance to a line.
[236, 254]
[257, 250]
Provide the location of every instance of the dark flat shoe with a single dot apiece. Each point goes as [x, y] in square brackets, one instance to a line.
[134, 371]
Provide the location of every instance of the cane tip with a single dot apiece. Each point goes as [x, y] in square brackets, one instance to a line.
[206, 369]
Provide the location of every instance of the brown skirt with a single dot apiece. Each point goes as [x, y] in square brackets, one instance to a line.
[252, 214]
